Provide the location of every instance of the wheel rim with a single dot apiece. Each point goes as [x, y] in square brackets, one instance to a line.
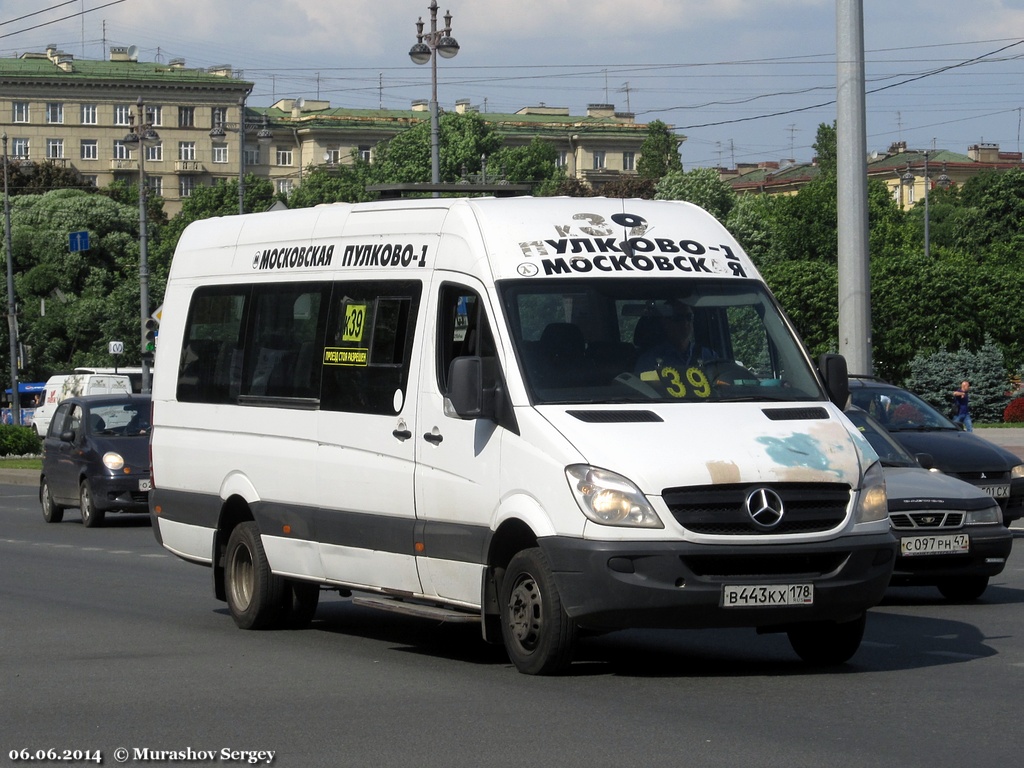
[86, 503]
[47, 508]
[525, 612]
[241, 576]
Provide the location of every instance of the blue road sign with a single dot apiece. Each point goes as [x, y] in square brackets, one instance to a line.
[78, 241]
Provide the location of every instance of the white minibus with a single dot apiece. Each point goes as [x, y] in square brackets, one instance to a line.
[550, 416]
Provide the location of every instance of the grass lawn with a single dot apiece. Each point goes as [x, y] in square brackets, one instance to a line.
[21, 463]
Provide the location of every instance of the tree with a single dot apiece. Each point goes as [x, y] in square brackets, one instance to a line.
[463, 139]
[73, 303]
[630, 186]
[342, 184]
[536, 163]
[935, 376]
[701, 186]
[659, 152]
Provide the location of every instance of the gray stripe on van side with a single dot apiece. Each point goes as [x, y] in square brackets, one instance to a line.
[443, 541]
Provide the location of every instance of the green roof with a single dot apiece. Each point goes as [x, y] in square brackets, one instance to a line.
[39, 67]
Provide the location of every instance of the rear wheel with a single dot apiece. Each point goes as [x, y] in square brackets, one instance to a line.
[255, 595]
[538, 634]
[91, 517]
[828, 643]
[964, 589]
[52, 512]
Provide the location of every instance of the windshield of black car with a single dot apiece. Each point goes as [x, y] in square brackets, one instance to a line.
[899, 410]
[891, 453]
[665, 339]
[119, 419]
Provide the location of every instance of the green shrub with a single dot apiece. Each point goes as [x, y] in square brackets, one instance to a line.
[19, 441]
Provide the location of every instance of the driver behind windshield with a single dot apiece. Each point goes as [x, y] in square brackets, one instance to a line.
[677, 347]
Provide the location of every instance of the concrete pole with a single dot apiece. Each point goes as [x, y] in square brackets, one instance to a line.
[852, 192]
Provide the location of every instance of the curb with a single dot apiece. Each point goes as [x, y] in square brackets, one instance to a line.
[19, 476]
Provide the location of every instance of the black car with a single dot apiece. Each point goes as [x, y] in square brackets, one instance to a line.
[951, 533]
[96, 457]
[921, 429]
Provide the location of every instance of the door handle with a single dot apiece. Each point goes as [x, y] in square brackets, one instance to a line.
[430, 437]
[402, 434]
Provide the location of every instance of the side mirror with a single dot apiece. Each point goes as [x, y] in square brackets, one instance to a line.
[837, 378]
[926, 460]
[67, 436]
[466, 393]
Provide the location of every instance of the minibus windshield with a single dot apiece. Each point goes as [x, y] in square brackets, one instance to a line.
[667, 340]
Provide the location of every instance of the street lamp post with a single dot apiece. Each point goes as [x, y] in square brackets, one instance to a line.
[428, 45]
[140, 137]
[12, 305]
[907, 180]
[263, 135]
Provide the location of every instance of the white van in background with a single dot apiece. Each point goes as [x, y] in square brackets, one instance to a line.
[481, 410]
[63, 386]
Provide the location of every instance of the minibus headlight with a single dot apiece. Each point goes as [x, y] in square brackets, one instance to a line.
[113, 461]
[986, 516]
[872, 503]
[610, 499]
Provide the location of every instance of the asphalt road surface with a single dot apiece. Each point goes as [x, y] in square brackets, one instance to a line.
[111, 645]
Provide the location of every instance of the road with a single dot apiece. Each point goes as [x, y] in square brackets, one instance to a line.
[108, 642]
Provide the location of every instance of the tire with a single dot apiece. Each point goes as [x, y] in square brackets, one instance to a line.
[52, 511]
[255, 595]
[828, 643]
[964, 589]
[91, 517]
[538, 634]
[300, 600]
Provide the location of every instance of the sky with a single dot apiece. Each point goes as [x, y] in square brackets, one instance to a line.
[744, 81]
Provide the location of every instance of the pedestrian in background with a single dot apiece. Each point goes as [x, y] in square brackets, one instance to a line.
[962, 404]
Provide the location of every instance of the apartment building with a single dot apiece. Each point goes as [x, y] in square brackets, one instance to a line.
[78, 112]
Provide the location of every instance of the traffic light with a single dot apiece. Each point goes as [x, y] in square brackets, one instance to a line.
[149, 345]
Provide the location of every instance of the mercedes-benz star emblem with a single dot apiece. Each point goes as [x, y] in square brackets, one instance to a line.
[765, 508]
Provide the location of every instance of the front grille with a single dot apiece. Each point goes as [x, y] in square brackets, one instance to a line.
[926, 520]
[721, 510]
[813, 565]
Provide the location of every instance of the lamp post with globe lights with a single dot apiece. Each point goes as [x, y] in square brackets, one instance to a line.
[263, 135]
[428, 46]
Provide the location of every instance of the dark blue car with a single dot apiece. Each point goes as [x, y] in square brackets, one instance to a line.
[96, 457]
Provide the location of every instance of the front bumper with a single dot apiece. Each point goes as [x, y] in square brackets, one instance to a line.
[616, 585]
[990, 546]
[120, 492]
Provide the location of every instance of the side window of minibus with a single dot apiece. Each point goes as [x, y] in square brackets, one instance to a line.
[463, 330]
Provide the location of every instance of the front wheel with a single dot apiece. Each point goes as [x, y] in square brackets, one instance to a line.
[91, 517]
[828, 643]
[255, 594]
[539, 635]
[964, 589]
[52, 511]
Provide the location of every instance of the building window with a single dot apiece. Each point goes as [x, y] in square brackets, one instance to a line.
[54, 149]
[186, 150]
[629, 161]
[186, 117]
[218, 116]
[89, 114]
[252, 155]
[186, 184]
[284, 155]
[121, 151]
[55, 113]
[155, 185]
[563, 158]
[154, 115]
[364, 152]
[332, 156]
[155, 153]
[599, 162]
[285, 186]
[19, 148]
[19, 112]
[90, 149]
[123, 114]
[220, 153]
[89, 180]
